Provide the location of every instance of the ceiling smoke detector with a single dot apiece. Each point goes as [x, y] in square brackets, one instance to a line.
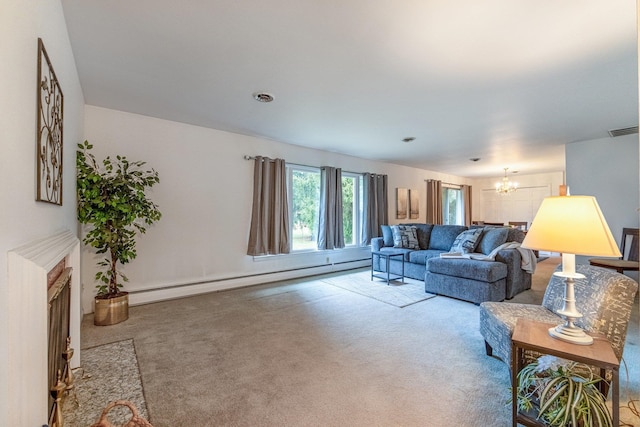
[263, 97]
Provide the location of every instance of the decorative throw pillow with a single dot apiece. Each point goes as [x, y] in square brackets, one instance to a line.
[405, 236]
[492, 237]
[466, 241]
[387, 235]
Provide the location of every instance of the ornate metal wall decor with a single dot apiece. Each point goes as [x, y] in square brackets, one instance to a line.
[49, 131]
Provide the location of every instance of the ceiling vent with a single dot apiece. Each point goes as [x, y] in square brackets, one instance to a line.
[263, 97]
[624, 131]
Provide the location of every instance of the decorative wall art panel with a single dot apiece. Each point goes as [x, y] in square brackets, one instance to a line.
[49, 131]
[414, 204]
[402, 203]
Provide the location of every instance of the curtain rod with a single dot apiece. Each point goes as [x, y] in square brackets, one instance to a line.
[247, 157]
[445, 183]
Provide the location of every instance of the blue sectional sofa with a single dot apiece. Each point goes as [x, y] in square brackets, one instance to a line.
[471, 280]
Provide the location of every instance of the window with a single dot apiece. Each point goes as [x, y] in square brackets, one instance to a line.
[351, 207]
[304, 195]
[452, 206]
[303, 184]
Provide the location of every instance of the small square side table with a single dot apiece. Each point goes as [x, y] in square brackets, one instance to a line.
[531, 335]
[387, 255]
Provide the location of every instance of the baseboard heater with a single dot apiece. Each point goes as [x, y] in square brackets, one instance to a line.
[181, 290]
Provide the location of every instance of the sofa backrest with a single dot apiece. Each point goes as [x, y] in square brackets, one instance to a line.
[443, 236]
[515, 235]
[424, 234]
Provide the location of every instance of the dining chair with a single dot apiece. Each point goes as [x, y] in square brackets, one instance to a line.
[629, 259]
[522, 225]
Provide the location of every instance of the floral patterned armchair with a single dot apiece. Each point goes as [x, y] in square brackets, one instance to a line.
[605, 298]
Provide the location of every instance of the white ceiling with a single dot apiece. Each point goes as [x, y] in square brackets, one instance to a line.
[508, 81]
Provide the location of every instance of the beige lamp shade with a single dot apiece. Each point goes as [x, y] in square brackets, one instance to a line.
[573, 225]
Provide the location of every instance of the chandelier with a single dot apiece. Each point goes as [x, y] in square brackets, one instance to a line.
[506, 186]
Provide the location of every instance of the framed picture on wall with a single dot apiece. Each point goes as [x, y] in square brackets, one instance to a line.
[414, 204]
[49, 131]
[402, 203]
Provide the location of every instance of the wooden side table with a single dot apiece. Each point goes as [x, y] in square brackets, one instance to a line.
[530, 335]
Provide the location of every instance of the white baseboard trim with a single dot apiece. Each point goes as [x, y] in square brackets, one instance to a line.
[149, 296]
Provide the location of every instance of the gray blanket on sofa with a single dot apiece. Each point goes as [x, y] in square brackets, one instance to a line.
[528, 263]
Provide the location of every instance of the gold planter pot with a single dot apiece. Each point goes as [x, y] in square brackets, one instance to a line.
[109, 311]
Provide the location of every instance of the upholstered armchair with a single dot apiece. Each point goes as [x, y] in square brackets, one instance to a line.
[605, 299]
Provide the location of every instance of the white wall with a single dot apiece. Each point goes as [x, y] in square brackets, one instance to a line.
[521, 205]
[205, 198]
[607, 168]
[22, 218]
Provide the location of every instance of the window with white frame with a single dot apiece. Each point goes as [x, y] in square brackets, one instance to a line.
[303, 186]
[351, 207]
[304, 198]
[452, 205]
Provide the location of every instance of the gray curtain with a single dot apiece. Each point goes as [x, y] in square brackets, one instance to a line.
[375, 206]
[434, 202]
[269, 232]
[330, 231]
[466, 203]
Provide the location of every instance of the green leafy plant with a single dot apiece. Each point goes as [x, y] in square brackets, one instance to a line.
[563, 392]
[112, 201]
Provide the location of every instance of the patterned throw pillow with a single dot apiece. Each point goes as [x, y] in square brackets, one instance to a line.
[405, 236]
[466, 241]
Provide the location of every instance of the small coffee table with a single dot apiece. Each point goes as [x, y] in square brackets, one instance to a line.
[387, 255]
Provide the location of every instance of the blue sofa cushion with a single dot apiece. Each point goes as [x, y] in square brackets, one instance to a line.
[421, 257]
[466, 241]
[442, 236]
[387, 235]
[491, 238]
[405, 236]
[515, 235]
[424, 234]
[484, 271]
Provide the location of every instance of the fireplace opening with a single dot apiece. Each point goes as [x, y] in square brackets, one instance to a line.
[59, 297]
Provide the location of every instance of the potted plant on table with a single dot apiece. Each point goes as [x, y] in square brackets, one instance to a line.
[113, 203]
[562, 393]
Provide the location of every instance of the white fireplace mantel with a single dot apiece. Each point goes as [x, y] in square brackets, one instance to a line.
[27, 267]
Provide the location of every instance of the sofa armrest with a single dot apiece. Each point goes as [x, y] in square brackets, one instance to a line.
[377, 243]
[518, 280]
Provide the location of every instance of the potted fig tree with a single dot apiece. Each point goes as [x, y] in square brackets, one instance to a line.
[112, 203]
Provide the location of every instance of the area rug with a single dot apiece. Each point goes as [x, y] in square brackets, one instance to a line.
[396, 293]
[108, 373]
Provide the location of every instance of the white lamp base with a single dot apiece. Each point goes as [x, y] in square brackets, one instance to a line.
[570, 334]
[568, 331]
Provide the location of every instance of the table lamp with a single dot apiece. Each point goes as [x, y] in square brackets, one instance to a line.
[571, 225]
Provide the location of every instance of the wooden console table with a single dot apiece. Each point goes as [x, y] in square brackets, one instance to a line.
[530, 335]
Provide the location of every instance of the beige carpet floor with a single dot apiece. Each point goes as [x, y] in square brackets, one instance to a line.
[306, 353]
[399, 293]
